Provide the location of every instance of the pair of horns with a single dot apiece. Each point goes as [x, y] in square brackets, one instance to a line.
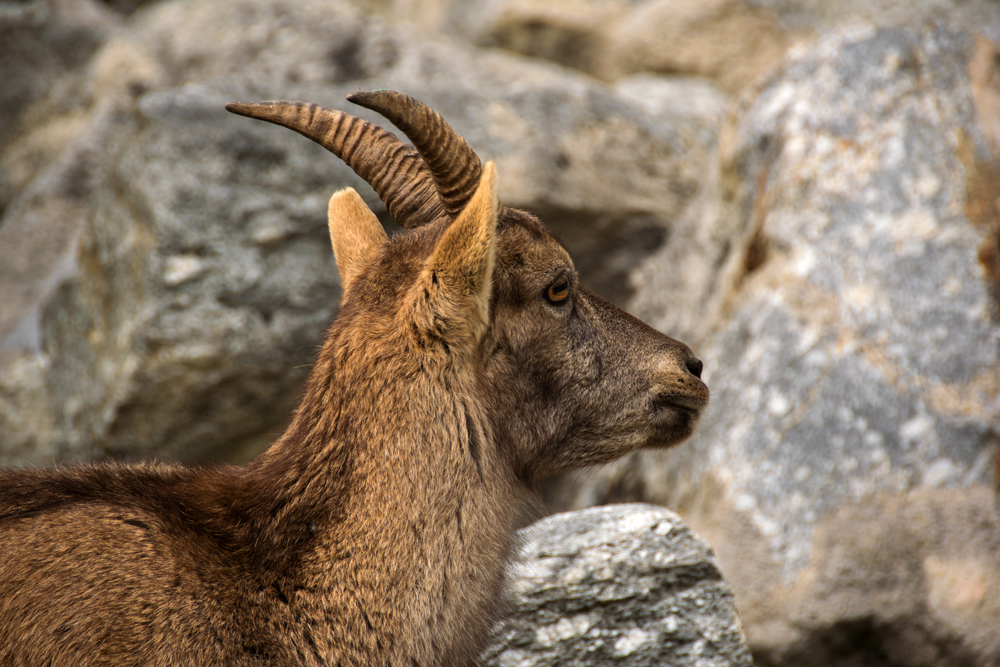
[418, 187]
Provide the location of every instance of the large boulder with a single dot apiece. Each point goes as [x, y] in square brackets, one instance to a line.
[45, 46]
[804, 18]
[186, 276]
[623, 585]
[846, 472]
[729, 41]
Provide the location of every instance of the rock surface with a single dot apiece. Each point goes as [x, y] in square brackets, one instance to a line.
[624, 585]
[854, 434]
[729, 41]
[804, 18]
[188, 277]
[46, 45]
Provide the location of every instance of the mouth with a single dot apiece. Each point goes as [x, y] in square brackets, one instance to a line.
[693, 404]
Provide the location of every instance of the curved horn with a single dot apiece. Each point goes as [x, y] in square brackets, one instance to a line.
[455, 166]
[399, 175]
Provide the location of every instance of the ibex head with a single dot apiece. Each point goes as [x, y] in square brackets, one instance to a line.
[563, 378]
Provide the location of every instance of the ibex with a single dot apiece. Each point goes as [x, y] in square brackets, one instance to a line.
[465, 365]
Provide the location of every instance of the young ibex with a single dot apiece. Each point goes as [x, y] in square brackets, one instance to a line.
[466, 364]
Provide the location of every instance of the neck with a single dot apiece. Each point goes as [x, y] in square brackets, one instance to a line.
[409, 524]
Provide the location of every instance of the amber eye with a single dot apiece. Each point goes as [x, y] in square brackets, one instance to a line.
[559, 290]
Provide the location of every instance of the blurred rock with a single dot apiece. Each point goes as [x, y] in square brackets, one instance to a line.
[807, 18]
[682, 287]
[729, 41]
[127, 7]
[625, 584]
[46, 43]
[39, 241]
[845, 472]
[191, 276]
[569, 32]
[897, 579]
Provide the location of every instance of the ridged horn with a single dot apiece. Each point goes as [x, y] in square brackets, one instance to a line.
[454, 165]
[397, 173]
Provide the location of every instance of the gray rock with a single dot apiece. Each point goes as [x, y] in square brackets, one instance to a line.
[856, 386]
[127, 7]
[729, 41]
[809, 17]
[40, 237]
[46, 44]
[625, 585]
[682, 287]
[569, 32]
[192, 277]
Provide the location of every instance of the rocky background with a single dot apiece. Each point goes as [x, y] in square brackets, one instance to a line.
[624, 584]
[806, 192]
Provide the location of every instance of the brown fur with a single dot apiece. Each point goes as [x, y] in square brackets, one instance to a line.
[375, 530]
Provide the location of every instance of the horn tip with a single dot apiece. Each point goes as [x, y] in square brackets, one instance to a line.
[241, 108]
[365, 98]
[359, 97]
[254, 108]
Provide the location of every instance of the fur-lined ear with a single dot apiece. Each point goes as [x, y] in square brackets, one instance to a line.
[458, 276]
[355, 232]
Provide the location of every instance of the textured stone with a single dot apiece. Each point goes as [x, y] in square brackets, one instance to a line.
[681, 287]
[858, 377]
[127, 7]
[624, 584]
[39, 239]
[810, 17]
[46, 43]
[729, 41]
[191, 276]
[569, 32]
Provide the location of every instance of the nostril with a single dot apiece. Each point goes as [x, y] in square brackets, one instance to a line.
[695, 366]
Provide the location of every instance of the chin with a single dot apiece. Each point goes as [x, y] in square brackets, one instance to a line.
[673, 428]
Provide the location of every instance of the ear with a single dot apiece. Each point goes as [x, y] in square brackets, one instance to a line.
[355, 232]
[458, 276]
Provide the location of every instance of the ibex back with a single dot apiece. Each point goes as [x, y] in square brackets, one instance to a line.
[466, 364]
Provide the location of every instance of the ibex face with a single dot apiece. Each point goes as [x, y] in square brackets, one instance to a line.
[583, 381]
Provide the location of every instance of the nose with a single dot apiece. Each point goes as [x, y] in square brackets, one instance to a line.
[694, 366]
